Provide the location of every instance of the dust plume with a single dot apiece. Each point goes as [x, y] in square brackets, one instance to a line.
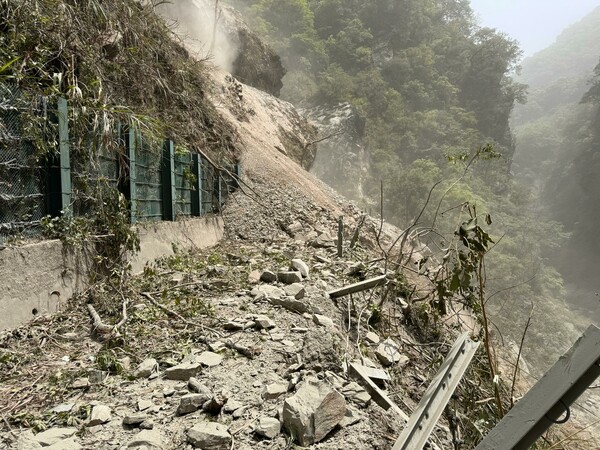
[194, 22]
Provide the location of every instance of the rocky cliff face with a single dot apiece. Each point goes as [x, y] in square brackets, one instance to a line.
[231, 44]
[341, 156]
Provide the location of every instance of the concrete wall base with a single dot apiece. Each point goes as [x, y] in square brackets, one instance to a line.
[39, 278]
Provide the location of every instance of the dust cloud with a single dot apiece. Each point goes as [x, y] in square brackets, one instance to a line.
[194, 22]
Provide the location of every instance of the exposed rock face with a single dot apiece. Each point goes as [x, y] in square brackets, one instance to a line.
[236, 48]
[342, 160]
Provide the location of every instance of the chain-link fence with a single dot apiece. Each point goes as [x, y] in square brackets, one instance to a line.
[148, 203]
[184, 178]
[160, 180]
[22, 201]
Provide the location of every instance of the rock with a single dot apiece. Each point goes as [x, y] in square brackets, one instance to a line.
[215, 404]
[294, 227]
[168, 391]
[81, 383]
[268, 427]
[322, 241]
[388, 353]
[147, 440]
[349, 419]
[147, 424]
[54, 435]
[291, 304]
[209, 359]
[233, 325]
[134, 419]
[268, 277]
[143, 404]
[27, 441]
[146, 368]
[263, 322]
[323, 321]
[195, 386]
[354, 392]
[372, 338]
[289, 277]
[217, 346]
[63, 408]
[321, 351]
[231, 406]
[313, 412]
[67, 444]
[254, 277]
[101, 414]
[267, 291]
[239, 413]
[184, 371]
[97, 376]
[274, 390]
[125, 363]
[209, 436]
[295, 290]
[335, 380]
[190, 403]
[301, 267]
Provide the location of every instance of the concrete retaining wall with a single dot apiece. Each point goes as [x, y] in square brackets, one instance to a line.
[40, 277]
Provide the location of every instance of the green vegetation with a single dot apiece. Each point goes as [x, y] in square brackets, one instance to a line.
[436, 92]
[119, 67]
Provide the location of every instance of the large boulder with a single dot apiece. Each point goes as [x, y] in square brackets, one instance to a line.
[313, 412]
[209, 436]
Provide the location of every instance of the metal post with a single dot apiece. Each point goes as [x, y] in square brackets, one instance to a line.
[197, 191]
[65, 160]
[168, 181]
[59, 170]
[436, 397]
[549, 400]
[218, 188]
[340, 237]
[132, 173]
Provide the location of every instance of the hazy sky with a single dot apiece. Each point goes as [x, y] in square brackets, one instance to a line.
[534, 23]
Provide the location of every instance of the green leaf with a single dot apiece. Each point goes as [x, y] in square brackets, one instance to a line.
[10, 63]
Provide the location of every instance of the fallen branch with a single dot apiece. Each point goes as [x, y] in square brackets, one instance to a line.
[103, 328]
[175, 314]
[249, 353]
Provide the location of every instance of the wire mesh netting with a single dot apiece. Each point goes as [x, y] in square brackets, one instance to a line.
[207, 184]
[161, 181]
[148, 202]
[22, 203]
[93, 167]
[183, 183]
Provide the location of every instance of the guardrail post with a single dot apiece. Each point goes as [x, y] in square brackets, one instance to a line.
[168, 180]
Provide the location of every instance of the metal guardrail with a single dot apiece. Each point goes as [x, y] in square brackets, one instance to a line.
[436, 397]
[548, 401]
